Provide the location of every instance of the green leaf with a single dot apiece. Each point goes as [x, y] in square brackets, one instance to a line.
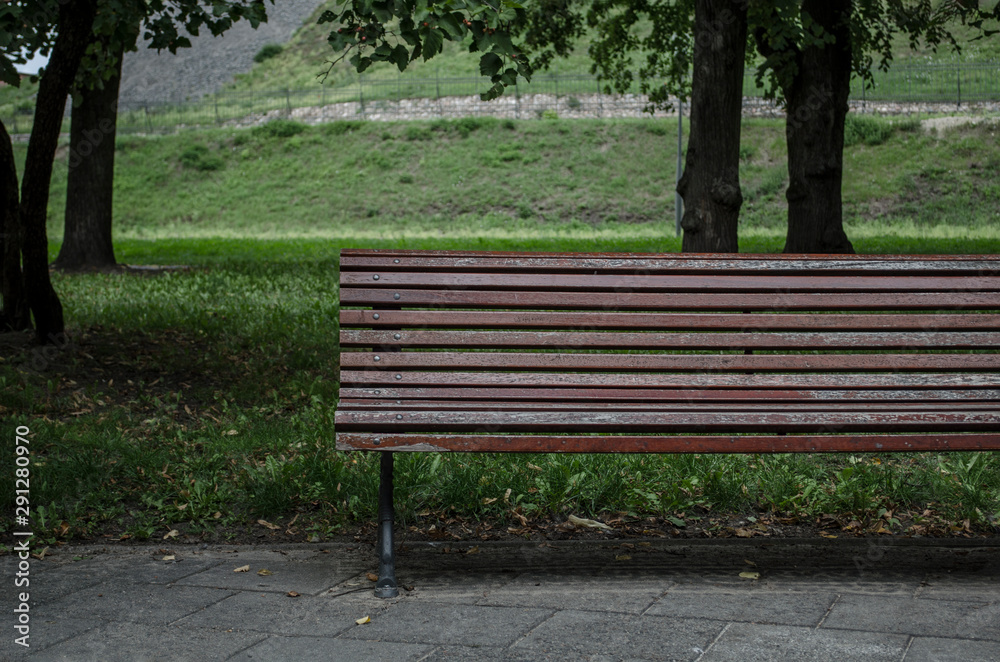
[492, 93]
[326, 17]
[8, 73]
[360, 63]
[509, 77]
[502, 43]
[490, 64]
[451, 25]
[400, 56]
[433, 41]
[338, 42]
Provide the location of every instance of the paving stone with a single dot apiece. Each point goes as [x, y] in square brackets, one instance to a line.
[744, 642]
[749, 607]
[453, 653]
[134, 603]
[982, 587]
[304, 575]
[279, 614]
[318, 649]
[59, 581]
[56, 585]
[488, 654]
[577, 634]
[916, 616]
[52, 630]
[603, 593]
[456, 587]
[800, 580]
[929, 649]
[148, 568]
[449, 624]
[120, 642]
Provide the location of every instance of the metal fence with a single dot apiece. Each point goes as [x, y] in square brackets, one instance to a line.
[405, 97]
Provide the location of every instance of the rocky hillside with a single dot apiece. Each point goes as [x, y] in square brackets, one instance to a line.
[211, 62]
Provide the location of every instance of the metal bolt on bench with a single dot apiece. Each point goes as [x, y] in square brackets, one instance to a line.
[663, 353]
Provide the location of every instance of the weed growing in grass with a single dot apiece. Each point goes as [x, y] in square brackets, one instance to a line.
[198, 157]
[268, 51]
[279, 128]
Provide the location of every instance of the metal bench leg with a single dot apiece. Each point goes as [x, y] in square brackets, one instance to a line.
[386, 585]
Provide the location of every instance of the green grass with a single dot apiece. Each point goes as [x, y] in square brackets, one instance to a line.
[204, 396]
[483, 181]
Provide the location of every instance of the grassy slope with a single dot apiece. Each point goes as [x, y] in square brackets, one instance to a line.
[483, 180]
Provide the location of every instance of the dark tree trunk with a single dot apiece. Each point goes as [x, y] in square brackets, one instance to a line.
[76, 19]
[816, 105]
[90, 186]
[710, 185]
[15, 315]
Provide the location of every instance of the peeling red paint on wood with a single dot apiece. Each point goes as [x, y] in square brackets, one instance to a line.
[669, 444]
[632, 344]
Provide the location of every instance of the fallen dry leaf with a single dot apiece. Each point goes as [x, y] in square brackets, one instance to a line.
[587, 523]
[169, 557]
[743, 533]
[266, 524]
[623, 557]
[750, 575]
[372, 577]
[473, 550]
[172, 534]
[362, 621]
[264, 572]
[293, 594]
[242, 568]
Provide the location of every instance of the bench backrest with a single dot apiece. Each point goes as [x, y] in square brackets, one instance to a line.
[620, 334]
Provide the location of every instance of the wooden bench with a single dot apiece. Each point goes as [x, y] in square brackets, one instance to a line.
[663, 353]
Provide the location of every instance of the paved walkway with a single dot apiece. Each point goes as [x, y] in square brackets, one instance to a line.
[871, 600]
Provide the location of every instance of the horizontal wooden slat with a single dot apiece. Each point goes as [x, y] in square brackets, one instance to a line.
[355, 260]
[625, 363]
[471, 407]
[663, 444]
[752, 322]
[747, 421]
[757, 395]
[671, 283]
[555, 299]
[687, 341]
[667, 380]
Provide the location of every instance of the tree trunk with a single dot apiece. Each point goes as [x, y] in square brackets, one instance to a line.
[14, 316]
[76, 19]
[90, 186]
[816, 105]
[710, 186]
